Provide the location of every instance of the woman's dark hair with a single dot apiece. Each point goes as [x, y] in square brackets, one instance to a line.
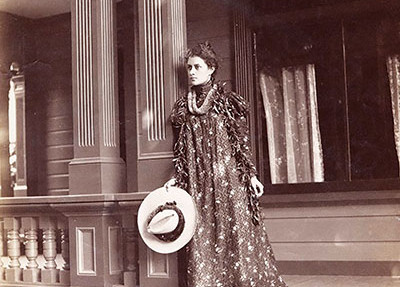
[204, 51]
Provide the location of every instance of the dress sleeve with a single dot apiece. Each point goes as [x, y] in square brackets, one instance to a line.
[178, 117]
[237, 110]
[179, 112]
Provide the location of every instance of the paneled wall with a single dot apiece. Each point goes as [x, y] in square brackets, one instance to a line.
[49, 103]
[211, 20]
[321, 234]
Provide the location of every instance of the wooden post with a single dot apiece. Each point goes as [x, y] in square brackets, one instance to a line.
[97, 166]
[95, 243]
[17, 136]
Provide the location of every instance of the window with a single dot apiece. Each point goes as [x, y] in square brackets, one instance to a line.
[348, 48]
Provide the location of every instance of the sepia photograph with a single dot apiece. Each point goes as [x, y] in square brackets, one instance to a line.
[200, 143]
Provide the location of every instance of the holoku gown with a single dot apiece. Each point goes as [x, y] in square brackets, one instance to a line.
[212, 162]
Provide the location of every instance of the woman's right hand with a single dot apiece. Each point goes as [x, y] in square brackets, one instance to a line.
[169, 183]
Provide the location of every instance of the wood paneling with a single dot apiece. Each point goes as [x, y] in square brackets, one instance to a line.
[364, 233]
[212, 21]
[49, 91]
[335, 229]
[336, 251]
[86, 251]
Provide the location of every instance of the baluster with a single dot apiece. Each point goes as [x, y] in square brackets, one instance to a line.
[50, 273]
[130, 236]
[64, 273]
[13, 272]
[30, 227]
[1, 250]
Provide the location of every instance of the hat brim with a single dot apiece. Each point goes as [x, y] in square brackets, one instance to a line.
[159, 197]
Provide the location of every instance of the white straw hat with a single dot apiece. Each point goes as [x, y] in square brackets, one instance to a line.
[167, 219]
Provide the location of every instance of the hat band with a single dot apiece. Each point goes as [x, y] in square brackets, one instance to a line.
[174, 234]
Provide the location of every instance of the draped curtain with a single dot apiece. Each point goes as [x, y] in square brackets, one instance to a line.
[393, 67]
[294, 140]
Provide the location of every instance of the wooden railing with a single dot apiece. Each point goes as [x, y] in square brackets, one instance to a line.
[60, 240]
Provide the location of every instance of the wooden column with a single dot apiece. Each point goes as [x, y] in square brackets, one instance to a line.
[17, 135]
[162, 42]
[5, 186]
[97, 166]
[245, 71]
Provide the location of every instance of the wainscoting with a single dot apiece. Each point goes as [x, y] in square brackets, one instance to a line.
[348, 233]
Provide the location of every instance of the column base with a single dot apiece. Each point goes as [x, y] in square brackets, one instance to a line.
[13, 274]
[97, 176]
[31, 275]
[49, 275]
[20, 190]
[65, 277]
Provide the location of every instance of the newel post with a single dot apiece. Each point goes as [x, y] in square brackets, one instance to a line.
[95, 243]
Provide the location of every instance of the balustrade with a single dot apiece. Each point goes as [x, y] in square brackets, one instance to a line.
[37, 248]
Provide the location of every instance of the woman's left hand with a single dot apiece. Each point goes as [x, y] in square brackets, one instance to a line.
[257, 186]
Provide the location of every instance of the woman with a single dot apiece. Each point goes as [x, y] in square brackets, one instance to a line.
[213, 163]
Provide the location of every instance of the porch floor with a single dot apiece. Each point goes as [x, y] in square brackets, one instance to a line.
[341, 281]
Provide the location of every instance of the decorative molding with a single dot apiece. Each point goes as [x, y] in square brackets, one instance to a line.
[107, 73]
[156, 155]
[243, 56]
[84, 75]
[86, 251]
[157, 265]
[245, 76]
[154, 71]
[178, 46]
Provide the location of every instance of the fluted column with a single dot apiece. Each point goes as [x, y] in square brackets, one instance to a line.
[97, 166]
[244, 65]
[162, 43]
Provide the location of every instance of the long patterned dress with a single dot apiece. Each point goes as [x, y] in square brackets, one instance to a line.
[212, 162]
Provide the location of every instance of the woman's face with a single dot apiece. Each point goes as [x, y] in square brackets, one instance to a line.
[198, 71]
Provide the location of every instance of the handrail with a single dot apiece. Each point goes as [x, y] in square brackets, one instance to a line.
[24, 219]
